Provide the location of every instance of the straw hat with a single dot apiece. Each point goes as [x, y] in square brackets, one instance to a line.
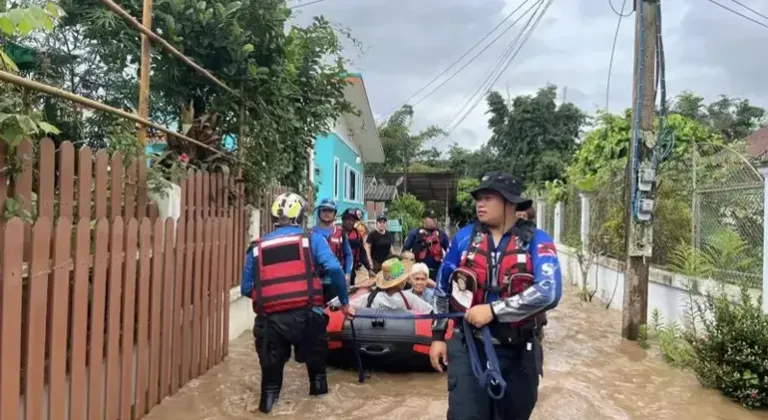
[393, 273]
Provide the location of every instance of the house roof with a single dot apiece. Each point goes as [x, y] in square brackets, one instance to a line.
[757, 143]
[362, 126]
[427, 186]
[379, 191]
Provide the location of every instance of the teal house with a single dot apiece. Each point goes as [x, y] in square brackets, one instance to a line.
[339, 155]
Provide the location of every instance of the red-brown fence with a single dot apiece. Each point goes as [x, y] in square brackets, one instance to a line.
[103, 310]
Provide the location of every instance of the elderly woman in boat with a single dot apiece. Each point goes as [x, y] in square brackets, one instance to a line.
[388, 292]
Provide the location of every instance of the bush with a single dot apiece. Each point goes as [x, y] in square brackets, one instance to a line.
[731, 354]
[408, 209]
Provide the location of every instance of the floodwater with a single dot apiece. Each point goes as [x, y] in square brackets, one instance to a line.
[590, 373]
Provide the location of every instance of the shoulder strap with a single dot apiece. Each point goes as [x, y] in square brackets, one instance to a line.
[407, 305]
[371, 297]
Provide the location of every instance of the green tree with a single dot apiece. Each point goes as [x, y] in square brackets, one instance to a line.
[733, 118]
[534, 137]
[463, 211]
[402, 147]
[408, 209]
[291, 81]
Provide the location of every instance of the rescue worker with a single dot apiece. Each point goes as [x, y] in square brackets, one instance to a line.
[428, 243]
[506, 276]
[281, 278]
[349, 219]
[325, 211]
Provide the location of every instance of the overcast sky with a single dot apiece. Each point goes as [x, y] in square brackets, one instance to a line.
[408, 42]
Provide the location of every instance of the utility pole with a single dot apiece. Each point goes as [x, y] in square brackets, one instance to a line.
[144, 70]
[640, 175]
[406, 161]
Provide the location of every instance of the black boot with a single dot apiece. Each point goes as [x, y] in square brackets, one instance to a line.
[271, 383]
[318, 380]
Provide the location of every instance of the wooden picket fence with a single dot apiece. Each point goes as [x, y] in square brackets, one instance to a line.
[105, 309]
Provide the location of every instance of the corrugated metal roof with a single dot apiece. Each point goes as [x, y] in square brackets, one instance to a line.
[376, 190]
[428, 186]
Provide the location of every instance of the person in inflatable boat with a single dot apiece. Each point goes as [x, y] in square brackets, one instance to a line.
[421, 285]
[280, 277]
[325, 212]
[388, 292]
[503, 273]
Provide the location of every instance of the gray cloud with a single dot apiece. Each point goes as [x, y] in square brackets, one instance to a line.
[407, 43]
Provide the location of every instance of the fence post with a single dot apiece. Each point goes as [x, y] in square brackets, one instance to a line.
[764, 173]
[254, 231]
[584, 221]
[558, 229]
[540, 216]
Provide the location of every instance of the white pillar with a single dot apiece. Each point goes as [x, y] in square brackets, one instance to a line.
[764, 173]
[254, 230]
[558, 222]
[584, 221]
[540, 216]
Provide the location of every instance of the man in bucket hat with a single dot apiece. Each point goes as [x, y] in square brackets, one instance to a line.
[504, 274]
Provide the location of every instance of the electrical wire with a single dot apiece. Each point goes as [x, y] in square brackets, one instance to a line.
[750, 9]
[458, 60]
[619, 13]
[472, 60]
[494, 74]
[306, 4]
[505, 60]
[613, 51]
[738, 13]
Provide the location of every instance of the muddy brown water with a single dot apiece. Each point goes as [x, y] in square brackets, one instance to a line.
[590, 373]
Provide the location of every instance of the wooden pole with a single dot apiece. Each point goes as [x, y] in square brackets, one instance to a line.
[146, 63]
[639, 235]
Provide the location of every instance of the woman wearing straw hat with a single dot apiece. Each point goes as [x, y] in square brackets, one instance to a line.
[389, 293]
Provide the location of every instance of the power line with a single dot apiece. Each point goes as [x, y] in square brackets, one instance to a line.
[307, 4]
[500, 71]
[471, 60]
[750, 9]
[471, 102]
[738, 13]
[613, 52]
[458, 60]
[619, 13]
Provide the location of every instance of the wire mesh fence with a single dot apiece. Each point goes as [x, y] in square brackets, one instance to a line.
[709, 209]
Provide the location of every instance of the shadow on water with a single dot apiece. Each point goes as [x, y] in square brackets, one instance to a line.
[590, 373]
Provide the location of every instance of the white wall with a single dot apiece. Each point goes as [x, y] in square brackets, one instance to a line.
[667, 292]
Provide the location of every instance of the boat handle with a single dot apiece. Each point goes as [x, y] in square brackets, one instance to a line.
[375, 350]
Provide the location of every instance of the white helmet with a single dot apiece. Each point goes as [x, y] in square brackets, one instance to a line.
[288, 209]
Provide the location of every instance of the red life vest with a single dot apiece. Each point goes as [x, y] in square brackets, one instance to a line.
[430, 245]
[354, 235]
[515, 269]
[336, 242]
[285, 278]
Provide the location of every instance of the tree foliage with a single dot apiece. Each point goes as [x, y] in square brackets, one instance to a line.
[732, 118]
[401, 146]
[289, 82]
[534, 136]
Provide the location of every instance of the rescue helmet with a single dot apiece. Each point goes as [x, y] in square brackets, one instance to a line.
[326, 204]
[288, 209]
[350, 213]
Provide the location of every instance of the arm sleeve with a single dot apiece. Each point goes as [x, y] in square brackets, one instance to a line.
[444, 241]
[346, 249]
[443, 289]
[409, 239]
[364, 257]
[246, 283]
[325, 259]
[547, 287]
[368, 239]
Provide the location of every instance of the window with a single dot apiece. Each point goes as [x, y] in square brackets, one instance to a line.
[336, 178]
[352, 180]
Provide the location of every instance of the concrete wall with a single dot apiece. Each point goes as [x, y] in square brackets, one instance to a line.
[667, 292]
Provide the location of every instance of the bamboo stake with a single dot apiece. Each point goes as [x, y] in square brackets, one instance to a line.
[146, 57]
